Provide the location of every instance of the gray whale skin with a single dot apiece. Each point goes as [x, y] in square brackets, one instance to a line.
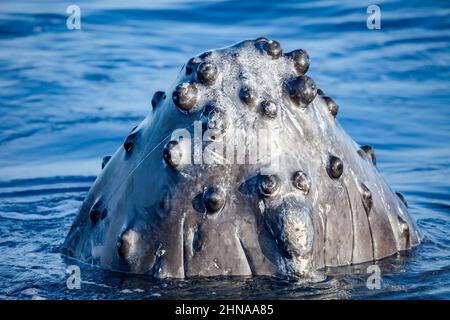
[172, 206]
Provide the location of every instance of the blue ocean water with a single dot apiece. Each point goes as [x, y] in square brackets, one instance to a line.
[69, 97]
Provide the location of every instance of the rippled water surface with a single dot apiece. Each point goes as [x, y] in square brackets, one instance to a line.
[67, 98]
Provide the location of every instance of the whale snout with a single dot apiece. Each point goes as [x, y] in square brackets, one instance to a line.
[289, 220]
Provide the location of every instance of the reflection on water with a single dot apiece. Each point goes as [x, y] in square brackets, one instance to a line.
[67, 98]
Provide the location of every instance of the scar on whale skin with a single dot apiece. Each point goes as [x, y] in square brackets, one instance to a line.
[315, 199]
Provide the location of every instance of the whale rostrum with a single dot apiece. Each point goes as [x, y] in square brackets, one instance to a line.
[241, 168]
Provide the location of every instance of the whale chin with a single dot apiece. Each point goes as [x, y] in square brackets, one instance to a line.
[241, 168]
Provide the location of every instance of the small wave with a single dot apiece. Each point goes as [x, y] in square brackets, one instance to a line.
[96, 284]
[43, 186]
[34, 216]
[24, 193]
[46, 180]
[22, 25]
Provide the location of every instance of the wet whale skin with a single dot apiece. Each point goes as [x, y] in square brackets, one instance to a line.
[185, 195]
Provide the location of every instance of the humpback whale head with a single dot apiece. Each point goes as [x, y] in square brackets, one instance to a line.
[240, 168]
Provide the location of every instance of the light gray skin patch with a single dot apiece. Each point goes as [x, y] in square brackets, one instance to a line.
[146, 214]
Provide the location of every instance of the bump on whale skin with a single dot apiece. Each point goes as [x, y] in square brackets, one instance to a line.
[317, 201]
